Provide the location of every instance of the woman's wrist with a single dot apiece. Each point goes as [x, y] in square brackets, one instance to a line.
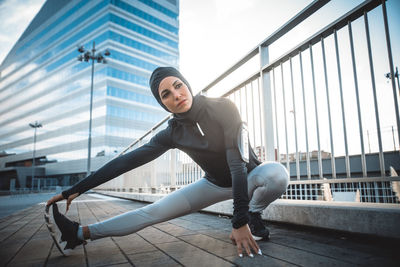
[239, 221]
[66, 193]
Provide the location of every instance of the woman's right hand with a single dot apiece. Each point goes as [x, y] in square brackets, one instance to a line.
[59, 197]
[243, 240]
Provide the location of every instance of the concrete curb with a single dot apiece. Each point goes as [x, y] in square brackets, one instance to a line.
[364, 218]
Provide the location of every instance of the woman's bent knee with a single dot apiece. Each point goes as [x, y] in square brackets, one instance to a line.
[282, 177]
[283, 174]
[266, 184]
[276, 176]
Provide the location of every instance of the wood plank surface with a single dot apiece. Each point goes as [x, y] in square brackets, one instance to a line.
[198, 239]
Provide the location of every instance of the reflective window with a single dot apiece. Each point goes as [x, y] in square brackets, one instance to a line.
[70, 155]
[132, 60]
[126, 76]
[129, 95]
[76, 117]
[124, 132]
[54, 24]
[144, 15]
[96, 151]
[39, 94]
[73, 40]
[160, 8]
[54, 38]
[142, 47]
[66, 137]
[49, 85]
[139, 29]
[99, 39]
[71, 115]
[74, 54]
[93, 27]
[74, 24]
[134, 114]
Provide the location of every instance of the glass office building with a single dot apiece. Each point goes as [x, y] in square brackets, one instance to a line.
[42, 80]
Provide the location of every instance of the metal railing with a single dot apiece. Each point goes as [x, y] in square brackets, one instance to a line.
[297, 102]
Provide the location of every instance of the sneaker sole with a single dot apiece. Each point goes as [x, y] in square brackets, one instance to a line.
[258, 238]
[53, 234]
[70, 244]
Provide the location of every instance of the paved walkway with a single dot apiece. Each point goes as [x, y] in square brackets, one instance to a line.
[12, 203]
[195, 240]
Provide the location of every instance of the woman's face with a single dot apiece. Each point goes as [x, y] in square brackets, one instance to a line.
[175, 95]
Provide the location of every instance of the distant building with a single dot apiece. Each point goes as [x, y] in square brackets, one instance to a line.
[42, 80]
[260, 152]
[303, 156]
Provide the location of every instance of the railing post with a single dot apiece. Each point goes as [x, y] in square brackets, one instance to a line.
[153, 173]
[267, 113]
[173, 169]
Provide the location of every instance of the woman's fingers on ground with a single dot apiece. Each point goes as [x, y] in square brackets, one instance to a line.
[232, 239]
[255, 246]
[239, 250]
[248, 250]
[244, 246]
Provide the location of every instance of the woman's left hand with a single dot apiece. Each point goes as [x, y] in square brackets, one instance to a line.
[243, 239]
[54, 199]
[60, 197]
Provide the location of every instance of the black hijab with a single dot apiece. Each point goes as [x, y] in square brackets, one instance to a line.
[158, 75]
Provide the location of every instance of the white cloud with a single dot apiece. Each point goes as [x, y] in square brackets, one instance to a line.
[15, 17]
[214, 34]
[5, 38]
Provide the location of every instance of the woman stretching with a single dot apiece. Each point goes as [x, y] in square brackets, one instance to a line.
[212, 133]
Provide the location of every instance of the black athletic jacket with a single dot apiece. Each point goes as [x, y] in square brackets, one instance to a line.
[212, 144]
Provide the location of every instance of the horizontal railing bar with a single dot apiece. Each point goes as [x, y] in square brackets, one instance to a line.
[348, 180]
[293, 22]
[352, 15]
[240, 85]
[230, 70]
[146, 134]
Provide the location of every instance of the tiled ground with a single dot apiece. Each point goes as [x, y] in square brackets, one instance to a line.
[195, 240]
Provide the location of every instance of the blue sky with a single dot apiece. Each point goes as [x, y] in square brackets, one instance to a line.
[15, 17]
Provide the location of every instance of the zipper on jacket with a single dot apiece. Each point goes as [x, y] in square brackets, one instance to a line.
[201, 131]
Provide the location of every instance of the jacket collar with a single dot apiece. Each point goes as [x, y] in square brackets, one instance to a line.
[195, 111]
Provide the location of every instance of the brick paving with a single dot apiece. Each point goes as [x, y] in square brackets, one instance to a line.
[197, 239]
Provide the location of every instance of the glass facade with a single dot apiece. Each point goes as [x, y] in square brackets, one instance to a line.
[42, 80]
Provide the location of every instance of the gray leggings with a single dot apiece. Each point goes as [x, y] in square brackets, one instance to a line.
[266, 183]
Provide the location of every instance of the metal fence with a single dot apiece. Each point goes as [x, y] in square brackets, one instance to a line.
[317, 109]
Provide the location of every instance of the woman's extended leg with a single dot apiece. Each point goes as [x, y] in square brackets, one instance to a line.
[188, 199]
[266, 183]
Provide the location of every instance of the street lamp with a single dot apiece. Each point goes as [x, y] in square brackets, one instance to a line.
[87, 55]
[34, 126]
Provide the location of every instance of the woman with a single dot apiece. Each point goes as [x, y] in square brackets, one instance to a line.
[211, 132]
